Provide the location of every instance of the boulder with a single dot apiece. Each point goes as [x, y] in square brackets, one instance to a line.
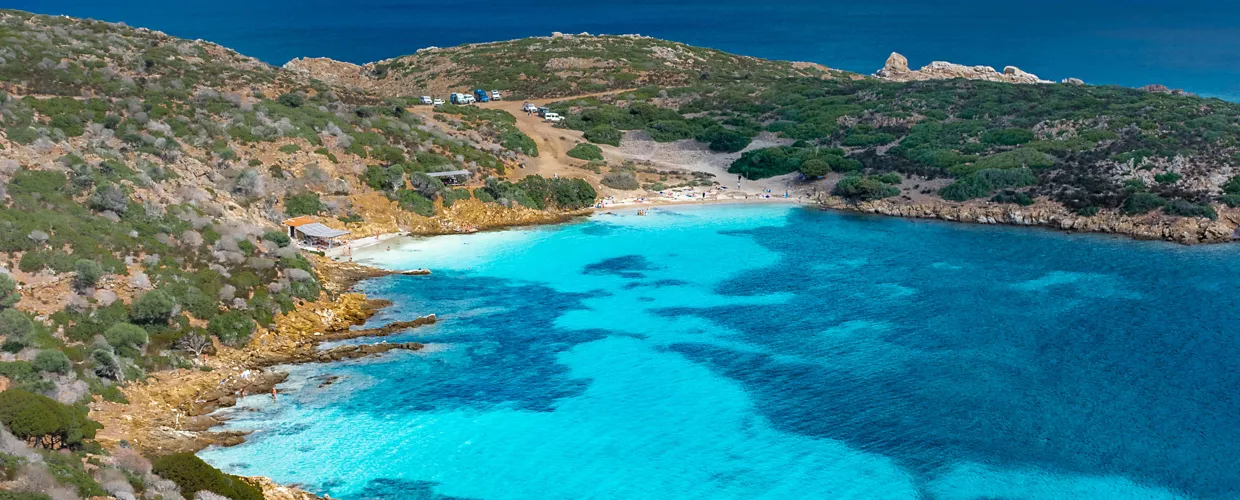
[896, 64]
[897, 69]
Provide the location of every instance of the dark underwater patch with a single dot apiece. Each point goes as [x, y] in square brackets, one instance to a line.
[402, 489]
[502, 358]
[597, 228]
[654, 284]
[628, 266]
[971, 369]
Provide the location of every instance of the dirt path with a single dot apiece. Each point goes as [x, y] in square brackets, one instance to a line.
[553, 143]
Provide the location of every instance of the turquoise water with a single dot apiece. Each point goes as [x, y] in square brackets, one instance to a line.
[1190, 44]
[742, 352]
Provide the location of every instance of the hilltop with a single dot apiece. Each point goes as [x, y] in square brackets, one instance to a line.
[555, 66]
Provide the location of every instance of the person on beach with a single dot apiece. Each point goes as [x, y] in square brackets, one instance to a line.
[273, 393]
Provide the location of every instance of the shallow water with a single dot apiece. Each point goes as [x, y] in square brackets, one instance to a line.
[741, 352]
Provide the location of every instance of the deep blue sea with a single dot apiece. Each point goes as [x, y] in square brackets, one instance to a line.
[1190, 44]
[776, 352]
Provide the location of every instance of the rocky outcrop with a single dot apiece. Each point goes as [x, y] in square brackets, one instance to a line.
[274, 491]
[1183, 230]
[896, 69]
[1159, 88]
[171, 411]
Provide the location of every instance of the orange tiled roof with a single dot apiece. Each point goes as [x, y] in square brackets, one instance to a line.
[299, 221]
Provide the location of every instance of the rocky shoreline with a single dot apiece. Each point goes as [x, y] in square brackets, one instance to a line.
[172, 411]
[1183, 230]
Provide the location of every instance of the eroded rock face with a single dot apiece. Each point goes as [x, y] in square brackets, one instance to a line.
[897, 69]
[1183, 230]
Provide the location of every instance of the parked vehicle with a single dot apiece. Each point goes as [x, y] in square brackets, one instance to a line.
[543, 111]
[495, 96]
[438, 102]
[481, 95]
[456, 98]
[529, 107]
[553, 117]
[427, 100]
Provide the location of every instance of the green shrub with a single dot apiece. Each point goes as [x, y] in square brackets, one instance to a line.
[9, 296]
[53, 361]
[1007, 137]
[585, 151]
[856, 187]
[43, 182]
[233, 328]
[290, 148]
[815, 168]
[278, 237]
[888, 178]
[414, 202]
[604, 134]
[621, 180]
[1167, 178]
[126, 337]
[33, 415]
[515, 140]
[291, 99]
[86, 274]
[1231, 200]
[1088, 211]
[769, 162]
[1185, 208]
[153, 307]
[1017, 197]
[1141, 203]
[671, 130]
[981, 183]
[1232, 186]
[192, 475]
[15, 324]
[724, 140]
[304, 203]
[1017, 158]
[385, 178]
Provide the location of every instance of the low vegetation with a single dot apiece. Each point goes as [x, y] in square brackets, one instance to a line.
[1079, 146]
[193, 475]
[574, 64]
[586, 151]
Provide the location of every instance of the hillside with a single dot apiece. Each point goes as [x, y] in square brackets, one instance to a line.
[1147, 163]
[143, 179]
[555, 66]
